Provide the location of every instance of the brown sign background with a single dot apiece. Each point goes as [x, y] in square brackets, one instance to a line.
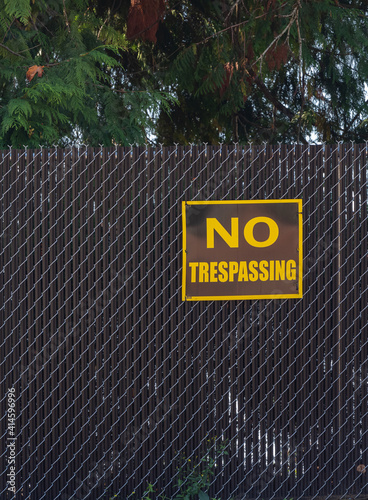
[264, 269]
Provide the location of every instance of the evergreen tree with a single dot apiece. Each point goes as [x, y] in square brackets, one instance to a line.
[131, 71]
[266, 70]
[62, 79]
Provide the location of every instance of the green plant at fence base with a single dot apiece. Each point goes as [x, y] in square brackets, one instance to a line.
[194, 475]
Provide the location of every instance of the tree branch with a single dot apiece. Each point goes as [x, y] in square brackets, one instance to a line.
[356, 116]
[102, 25]
[11, 51]
[7, 31]
[66, 17]
[267, 93]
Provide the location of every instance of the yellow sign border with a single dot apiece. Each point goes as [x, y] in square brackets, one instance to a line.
[298, 295]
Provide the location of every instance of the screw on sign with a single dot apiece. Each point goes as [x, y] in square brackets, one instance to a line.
[242, 249]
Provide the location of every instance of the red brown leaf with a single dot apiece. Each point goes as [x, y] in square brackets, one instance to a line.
[229, 71]
[143, 19]
[32, 70]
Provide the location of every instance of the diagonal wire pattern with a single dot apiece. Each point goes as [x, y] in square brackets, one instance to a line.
[120, 385]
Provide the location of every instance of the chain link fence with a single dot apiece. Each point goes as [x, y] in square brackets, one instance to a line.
[110, 382]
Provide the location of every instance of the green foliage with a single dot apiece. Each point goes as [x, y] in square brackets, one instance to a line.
[21, 9]
[262, 70]
[78, 96]
[194, 478]
[294, 69]
[194, 475]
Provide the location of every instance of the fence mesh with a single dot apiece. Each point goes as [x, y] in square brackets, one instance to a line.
[109, 382]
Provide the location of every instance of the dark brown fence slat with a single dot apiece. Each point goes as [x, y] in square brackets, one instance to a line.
[58, 319]
[171, 401]
[277, 424]
[75, 372]
[96, 323]
[140, 384]
[312, 238]
[65, 277]
[17, 290]
[165, 338]
[295, 177]
[29, 374]
[304, 337]
[4, 230]
[179, 364]
[115, 283]
[20, 305]
[247, 183]
[146, 391]
[317, 266]
[184, 409]
[357, 364]
[325, 464]
[13, 278]
[239, 169]
[358, 342]
[28, 243]
[231, 175]
[111, 302]
[155, 330]
[126, 317]
[148, 359]
[42, 318]
[50, 324]
[293, 391]
[347, 320]
[85, 423]
[364, 315]
[14, 273]
[124, 276]
[168, 307]
[6, 381]
[103, 309]
[137, 180]
[336, 317]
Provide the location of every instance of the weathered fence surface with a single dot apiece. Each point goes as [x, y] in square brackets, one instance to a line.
[115, 379]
